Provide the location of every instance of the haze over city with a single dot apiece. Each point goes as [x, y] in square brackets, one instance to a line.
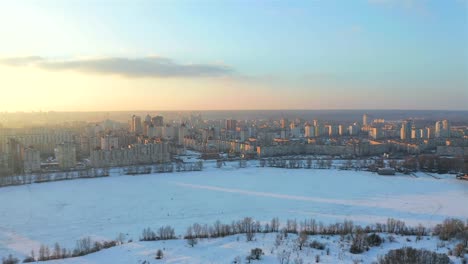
[214, 55]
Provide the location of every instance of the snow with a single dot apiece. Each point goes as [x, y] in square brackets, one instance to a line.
[104, 207]
[225, 250]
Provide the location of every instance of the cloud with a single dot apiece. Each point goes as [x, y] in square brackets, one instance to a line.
[128, 67]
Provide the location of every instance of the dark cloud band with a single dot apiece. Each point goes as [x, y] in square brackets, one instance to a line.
[129, 67]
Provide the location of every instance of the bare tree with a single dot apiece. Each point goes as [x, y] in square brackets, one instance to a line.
[301, 239]
[57, 251]
[284, 257]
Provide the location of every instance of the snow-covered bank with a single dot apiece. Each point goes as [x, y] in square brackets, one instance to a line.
[225, 250]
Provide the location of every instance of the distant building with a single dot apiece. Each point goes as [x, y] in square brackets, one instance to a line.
[284, 123]
[309, 131]
[132, 155]
[168, 131]
[405, 131]
[332, 130]
[364, 120]
[429, 132]
[13, 152]
[31, 160]
[442, 129]
[341, 130]
[65, 154]
[446, 128]
[181, 135]
[353, 130]
[231, 125]
[42, 139]
[376, 133]
[146, 126]
[157, 121]
[136, 126]
[148, 119]
[415, 134]
[109, 142]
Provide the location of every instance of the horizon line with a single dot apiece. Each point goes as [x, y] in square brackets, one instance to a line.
[226, 110]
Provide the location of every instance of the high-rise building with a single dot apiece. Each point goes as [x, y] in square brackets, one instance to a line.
[292, 125]
[375, 132]
[157, 121]
[446, 128]
[181, 134]
[13, 152]
[341, 130]
[148, 119]
[354, 129]
[422, 133]
[284, 123]
[438, 129]
[309, 131]
[31, 160]
[442, 129]
[332, 130]
[429, 132]
[109, 142]
[151, 131]
[364, 120]
[146, 126]
[136, 126]
[65, 154]
[231, 125]
[414, 133]
[405, 131]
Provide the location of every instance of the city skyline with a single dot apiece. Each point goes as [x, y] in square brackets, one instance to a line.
[229, 55]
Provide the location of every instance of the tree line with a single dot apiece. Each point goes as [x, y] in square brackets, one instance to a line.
[361, 237]
[52, 176]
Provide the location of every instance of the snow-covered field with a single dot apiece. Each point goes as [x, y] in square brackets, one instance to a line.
[104, 207]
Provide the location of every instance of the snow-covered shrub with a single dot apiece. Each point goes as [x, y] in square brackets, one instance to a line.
[450, 228]
[408, 255]
[359, 244]
[374, 240]
[459, 250]
[317, 245]
[255, 254]
[159, 254]
[29, 259]
[10, 260]
[192, 241]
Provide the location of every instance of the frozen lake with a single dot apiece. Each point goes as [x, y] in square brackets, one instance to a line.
[104, 207]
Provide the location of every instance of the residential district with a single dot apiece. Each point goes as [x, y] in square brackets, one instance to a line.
[146, 140]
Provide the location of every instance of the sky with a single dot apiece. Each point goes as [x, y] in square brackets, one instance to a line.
[103, 55]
